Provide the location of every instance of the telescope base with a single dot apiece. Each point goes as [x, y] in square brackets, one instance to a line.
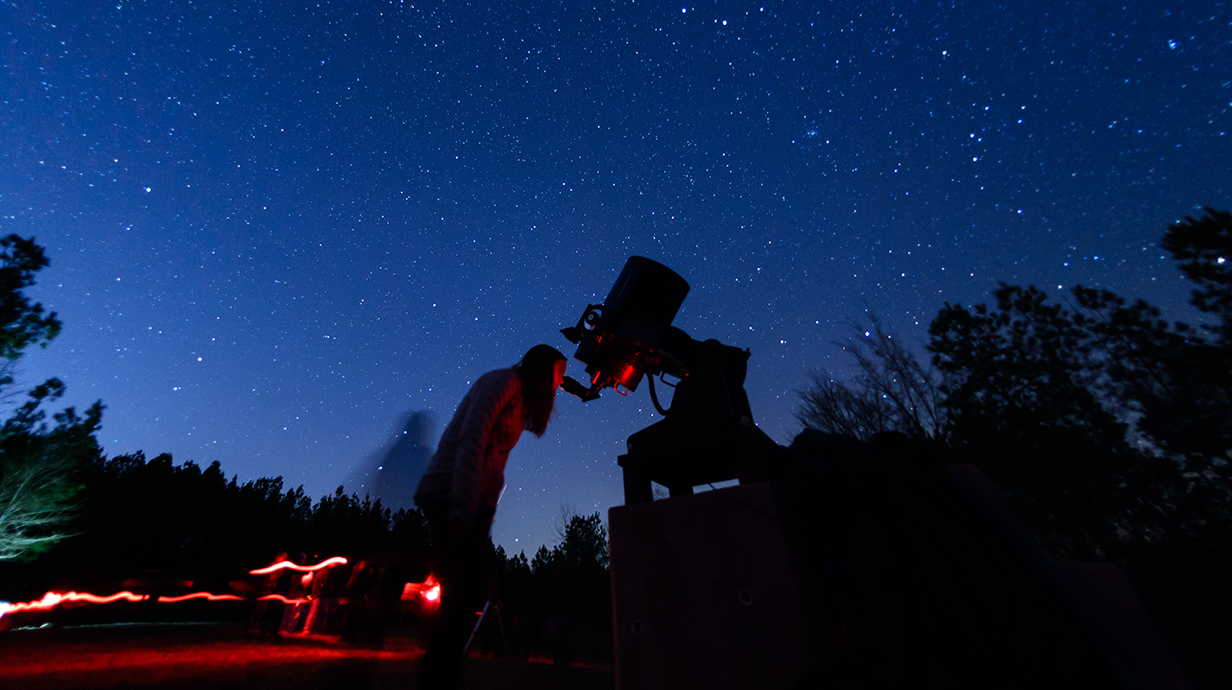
[704, 595]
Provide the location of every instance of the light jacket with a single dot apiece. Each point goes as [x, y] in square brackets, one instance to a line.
[467, 472]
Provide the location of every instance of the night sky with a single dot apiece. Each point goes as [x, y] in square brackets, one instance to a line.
[276, 230]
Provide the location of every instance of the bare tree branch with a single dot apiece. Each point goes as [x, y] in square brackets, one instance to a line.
[893, 391]
[33, 508]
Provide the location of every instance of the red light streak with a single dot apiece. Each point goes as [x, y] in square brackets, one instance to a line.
[95, 599]
[336, 560]
[200, 595]
[51, 600]
[279, 597]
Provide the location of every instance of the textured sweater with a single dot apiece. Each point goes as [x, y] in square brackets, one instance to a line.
[467, 472]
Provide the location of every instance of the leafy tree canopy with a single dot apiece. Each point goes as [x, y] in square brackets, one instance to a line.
[22, 323]
[1107, 425]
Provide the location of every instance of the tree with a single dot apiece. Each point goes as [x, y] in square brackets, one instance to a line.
[571, 588]
[892, 391]
[37, 461]
[21, 323]
[1204, 248]
[1022, 407]
[1108, 426]
[1188, 409]
[584, 544]
[37, 468]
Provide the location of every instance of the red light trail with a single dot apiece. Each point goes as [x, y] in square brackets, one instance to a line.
[429, 590]
[279, 597]
[336, 560]
[200, 595]
[51, 600]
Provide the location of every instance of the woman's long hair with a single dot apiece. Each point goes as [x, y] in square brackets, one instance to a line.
[537, 370]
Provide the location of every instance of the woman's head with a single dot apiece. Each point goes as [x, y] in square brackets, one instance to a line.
[542, 369]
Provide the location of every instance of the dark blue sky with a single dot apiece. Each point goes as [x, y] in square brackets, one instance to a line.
[276, 228]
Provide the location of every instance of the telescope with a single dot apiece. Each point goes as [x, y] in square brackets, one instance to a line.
[758, 585]
[707, 433]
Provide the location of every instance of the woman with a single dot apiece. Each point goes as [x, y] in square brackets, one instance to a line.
[459, 491]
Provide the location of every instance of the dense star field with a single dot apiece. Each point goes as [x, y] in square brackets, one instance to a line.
[277, 228]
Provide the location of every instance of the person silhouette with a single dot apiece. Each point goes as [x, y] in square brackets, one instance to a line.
[461, 487]
[392, 472]
[398, 472]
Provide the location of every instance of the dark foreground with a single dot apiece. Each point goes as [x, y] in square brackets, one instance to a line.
[216, 656]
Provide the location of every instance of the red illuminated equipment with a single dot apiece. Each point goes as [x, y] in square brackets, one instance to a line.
[427, 592]
[617, 340]
[707, 434]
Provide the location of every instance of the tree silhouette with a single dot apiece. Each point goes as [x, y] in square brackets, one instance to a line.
[1022, 407]
[1108, 426]
[21, 323]
[38, 461]
[584, 544]
[1204, 248]
[559, 601]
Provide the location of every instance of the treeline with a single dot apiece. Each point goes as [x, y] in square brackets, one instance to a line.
[1107, 426]
[154, 526]
[135, 515]
[560, 601]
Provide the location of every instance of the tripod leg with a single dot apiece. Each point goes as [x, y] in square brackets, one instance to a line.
[475, 629]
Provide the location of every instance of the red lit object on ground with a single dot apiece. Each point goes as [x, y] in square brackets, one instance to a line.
[429, 591]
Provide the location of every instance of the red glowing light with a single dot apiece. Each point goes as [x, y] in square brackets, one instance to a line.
[51, 600]
[200, 595]
[336, 560]
[95, 599]
[429, 590]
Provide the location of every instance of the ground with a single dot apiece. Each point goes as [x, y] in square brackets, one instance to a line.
[221, 656]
